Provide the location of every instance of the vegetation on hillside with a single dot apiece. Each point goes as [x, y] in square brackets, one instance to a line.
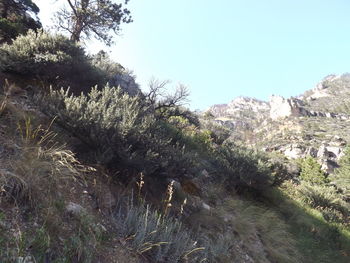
[179, 190]
[16, 18]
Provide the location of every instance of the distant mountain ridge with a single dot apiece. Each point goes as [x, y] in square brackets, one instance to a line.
[237, 105]
[315, 123]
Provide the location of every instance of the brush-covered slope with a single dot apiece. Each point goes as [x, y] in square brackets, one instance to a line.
[113, 175]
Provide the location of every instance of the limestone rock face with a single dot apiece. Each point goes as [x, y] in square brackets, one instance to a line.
[281, 107]
[327, 155]
[294, 151]
[238, 105]
[240, 113]
[126, 82]
[322, 88]
[315, 123]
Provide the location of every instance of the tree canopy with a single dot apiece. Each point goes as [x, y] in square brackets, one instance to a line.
[17, 17]
[84, 19]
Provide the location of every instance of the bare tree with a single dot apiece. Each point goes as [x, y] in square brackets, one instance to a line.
[169, 104]
[161, 100]
[92, 18]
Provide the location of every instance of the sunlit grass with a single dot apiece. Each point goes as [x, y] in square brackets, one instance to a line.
[316, 239]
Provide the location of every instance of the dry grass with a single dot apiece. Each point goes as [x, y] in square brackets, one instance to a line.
[36, 180]
[39, 169]
[262, 230]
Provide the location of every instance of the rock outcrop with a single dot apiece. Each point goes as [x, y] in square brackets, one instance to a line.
[312, 124]
[126, 82]
[293, 107]
[328, 153]
[281, 107]
[239, 105]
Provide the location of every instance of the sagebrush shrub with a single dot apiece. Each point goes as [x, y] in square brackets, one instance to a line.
[120, 130]
[124, 131]
[243, 167]
[50, 57]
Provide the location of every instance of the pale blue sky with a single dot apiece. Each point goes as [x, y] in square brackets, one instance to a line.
[227, 48]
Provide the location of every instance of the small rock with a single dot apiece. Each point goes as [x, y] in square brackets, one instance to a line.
[205, 206]
[205, 173]
[74, 209]
[126, 82]
[322, 152]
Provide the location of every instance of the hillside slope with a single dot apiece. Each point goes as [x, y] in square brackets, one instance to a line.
[117, 175]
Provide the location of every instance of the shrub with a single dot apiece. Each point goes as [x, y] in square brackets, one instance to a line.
[122, 131]
[108, 67]
[242, 167]
[162, 238]
[119, 130]
[219, 132]
[218, 249]
[311, 171]
[53, 58]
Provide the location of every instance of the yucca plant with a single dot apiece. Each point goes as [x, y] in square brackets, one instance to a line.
[160, 237]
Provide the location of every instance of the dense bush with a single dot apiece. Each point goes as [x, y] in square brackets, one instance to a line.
[106, 65]
[243, 167]
[311, 171]
[11, 29]
[219, 132]
[120, 130]
[52, 58]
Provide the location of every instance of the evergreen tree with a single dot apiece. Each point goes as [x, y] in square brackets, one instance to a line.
[92, 18]
[311, 171]
[17, 17]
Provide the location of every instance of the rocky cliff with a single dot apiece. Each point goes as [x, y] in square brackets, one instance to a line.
[312, 124]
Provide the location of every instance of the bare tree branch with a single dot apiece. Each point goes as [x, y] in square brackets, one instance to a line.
[166, 104]
[73, 6]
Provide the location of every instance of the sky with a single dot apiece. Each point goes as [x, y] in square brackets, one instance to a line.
[228, 48]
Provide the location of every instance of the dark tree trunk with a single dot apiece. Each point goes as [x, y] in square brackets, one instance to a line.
[79, 22]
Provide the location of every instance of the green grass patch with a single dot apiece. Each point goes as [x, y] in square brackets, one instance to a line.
[317, 239]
